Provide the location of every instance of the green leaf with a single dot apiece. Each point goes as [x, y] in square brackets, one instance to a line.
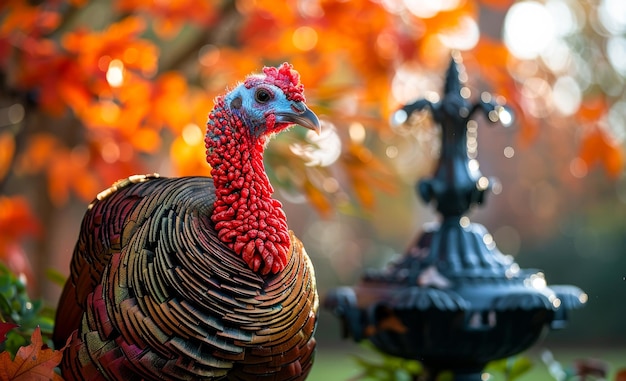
[55, 277]
[385, 367]
[445, 376]
[512, 367]
[521, 365]
[16, 307]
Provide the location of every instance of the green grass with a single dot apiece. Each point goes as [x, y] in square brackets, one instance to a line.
[336, 362]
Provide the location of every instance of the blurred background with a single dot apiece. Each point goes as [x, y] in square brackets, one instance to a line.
[94, 91]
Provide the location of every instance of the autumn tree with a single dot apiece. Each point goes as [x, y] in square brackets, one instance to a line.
[91, 92]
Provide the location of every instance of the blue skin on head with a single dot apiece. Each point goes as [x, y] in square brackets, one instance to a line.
[255, 106]
[266, 109]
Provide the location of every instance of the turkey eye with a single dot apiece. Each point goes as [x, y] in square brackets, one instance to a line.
[262, 96]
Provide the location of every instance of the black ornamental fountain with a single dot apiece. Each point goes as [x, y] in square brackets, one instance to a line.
[453, 301]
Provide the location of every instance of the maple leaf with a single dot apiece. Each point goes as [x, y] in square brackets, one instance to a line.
[35, 362]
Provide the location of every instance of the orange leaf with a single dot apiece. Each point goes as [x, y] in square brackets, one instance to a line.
[366, 173]
[169, 106]
[592, 109]
[146, 140]
[597, 146]
[32, 20]
[35, 362]
[69, 171]
[317, 199]
[7, 148]
[188, 157]
[53, 73]
[170, 16]
[613, 161]
[16, 220]
[119, 41]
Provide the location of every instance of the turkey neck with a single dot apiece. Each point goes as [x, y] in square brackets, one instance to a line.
[245, 215]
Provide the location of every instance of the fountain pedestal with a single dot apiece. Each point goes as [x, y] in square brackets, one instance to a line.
[453, 301]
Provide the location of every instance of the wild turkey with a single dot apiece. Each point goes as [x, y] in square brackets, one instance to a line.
[197, 278]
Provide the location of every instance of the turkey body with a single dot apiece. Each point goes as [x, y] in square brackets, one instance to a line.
[154, 294]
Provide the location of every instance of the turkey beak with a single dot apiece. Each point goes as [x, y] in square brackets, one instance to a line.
[302, 116]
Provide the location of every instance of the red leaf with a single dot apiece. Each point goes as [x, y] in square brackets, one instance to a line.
[5, 327]
[35, 362]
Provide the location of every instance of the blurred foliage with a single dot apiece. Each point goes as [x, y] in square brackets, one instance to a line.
[384, 367]
[93, 91]
[511, 368]
[581, 369]
[16, 308]
[380, 366]
[17, 222]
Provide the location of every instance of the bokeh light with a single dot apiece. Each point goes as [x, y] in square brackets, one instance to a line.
[567, 15]
[538, 281]
[323, 149]
[616, 120]
[15, 113]
[528, 29]
[429, 8]
[578, 167]
[357, 132]
[411, 82]
[209, 55]
[304, 38]
[616, 53]
[558, 56]
[192, 134]
[464, 36]
[509, 152]
[115, 73]
[537, 99]
[110, 151]
[566, 95]
[504, 116]
[109, 111]
[612, 15]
